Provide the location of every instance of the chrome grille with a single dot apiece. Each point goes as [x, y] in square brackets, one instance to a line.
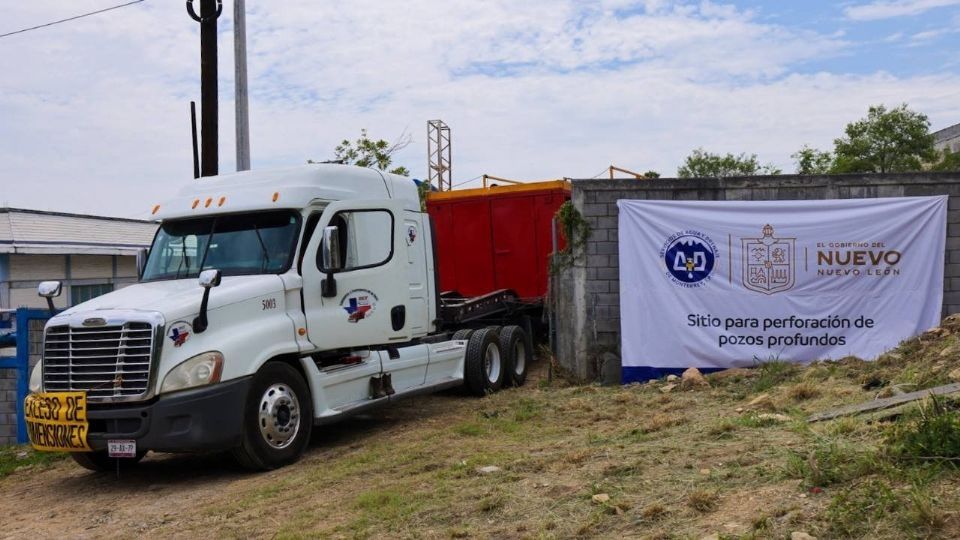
[108, 362]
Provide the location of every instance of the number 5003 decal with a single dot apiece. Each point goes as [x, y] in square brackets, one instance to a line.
[269, 303]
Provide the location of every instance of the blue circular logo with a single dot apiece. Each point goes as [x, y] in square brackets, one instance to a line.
[689, 257]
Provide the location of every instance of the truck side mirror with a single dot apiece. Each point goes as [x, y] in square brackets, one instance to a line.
[208, 280]
[50, 290]
[331, 260]
[141, 262]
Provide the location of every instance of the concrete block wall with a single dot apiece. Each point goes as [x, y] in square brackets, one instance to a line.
[588, 294]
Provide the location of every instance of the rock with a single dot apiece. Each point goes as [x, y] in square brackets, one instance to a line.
[489, 469]
[948, 351]
[731, 373]
[705, 472]
[774, 416]
[954, 375]
[672, 378]
[667, 388]
[800, 535]
[601, 498]
[692, 378]
[711, 536]
[738, 410]
[762, 401]
[22, 455]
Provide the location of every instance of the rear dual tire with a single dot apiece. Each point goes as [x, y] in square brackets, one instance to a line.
[516, 350]
[483, 366]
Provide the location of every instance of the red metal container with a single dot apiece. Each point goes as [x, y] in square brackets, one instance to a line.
[497, 237]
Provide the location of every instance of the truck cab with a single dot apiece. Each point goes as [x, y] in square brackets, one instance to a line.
[270, 302]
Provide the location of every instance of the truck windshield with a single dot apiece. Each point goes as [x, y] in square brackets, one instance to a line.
[239, 244]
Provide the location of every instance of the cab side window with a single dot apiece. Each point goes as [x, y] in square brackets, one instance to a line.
[366, 238]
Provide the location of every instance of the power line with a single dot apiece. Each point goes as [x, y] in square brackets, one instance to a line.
[70, 19]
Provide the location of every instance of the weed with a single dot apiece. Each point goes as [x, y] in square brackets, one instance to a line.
[653, 512]
[857, 511]
[702, 500]
[932, 433]
[772, 373]
[831, 463]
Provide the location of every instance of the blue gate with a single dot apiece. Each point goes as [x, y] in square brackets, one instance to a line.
[29, 343]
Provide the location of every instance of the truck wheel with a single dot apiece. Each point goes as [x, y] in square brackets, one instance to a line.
[278, 419]
[513, 346]
[463, 333]
[100, 461]
[484, 370]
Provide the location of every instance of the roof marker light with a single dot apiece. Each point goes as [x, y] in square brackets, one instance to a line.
[156, 208]
[276, 195]
[209, 201]
[195, 203]
[222, 200]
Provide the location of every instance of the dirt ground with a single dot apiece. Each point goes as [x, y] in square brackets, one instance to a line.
[567, 461]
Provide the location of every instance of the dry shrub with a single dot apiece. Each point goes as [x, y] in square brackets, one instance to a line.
[803, 391]
[702, 500]
[658, 422]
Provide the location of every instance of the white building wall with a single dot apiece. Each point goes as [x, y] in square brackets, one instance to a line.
[37, 267]
[91, 266]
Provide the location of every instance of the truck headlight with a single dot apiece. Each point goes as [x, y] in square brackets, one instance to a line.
[36, 379]
[202, 369]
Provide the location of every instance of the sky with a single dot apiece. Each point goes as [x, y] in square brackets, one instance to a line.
[94, 112]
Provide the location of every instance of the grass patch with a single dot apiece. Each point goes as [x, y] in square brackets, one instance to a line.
[930, 434]
[858, 511]
[832, 463]
[468, 429]
[773, 373]
[14, 457]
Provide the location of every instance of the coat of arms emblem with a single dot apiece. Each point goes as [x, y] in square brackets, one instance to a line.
[768, 262]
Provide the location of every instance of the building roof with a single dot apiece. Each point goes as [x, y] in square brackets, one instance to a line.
[946, 134]
[39, 232]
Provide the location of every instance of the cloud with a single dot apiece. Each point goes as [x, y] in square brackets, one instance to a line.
[93, 114]
[889, 9]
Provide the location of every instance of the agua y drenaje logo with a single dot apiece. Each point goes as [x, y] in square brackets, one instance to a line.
[689, 257]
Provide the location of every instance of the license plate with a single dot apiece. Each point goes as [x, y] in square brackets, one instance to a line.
[57, 421]
[122, 449]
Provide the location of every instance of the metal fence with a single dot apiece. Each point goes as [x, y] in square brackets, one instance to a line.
[15, 372]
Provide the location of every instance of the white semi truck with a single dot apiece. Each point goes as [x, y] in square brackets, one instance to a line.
[270, 302]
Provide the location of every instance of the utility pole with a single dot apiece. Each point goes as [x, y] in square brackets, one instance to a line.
[209, 140]
[439, 158]
[240, 76]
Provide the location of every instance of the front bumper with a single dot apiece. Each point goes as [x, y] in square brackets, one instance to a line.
[199, 420]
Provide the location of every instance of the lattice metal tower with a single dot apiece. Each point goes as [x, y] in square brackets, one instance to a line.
[438, 155]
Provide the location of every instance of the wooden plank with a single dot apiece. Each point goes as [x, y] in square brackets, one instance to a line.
[885, 403]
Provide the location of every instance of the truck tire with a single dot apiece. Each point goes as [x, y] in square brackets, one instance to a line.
[483, 370]
[516, 354]
[463, 333]
[100, 461]
[278, 419]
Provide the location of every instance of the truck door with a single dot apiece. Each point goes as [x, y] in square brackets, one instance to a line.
[369, 306]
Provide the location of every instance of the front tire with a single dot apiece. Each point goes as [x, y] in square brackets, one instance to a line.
[278, 419]
[483, 367]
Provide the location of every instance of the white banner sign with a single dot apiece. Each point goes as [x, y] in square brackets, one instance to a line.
[719, 284]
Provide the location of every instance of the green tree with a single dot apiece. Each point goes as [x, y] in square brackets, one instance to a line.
[813, 161]
[366, 152]
[701, 164]
[949, 161]
[886, 141]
